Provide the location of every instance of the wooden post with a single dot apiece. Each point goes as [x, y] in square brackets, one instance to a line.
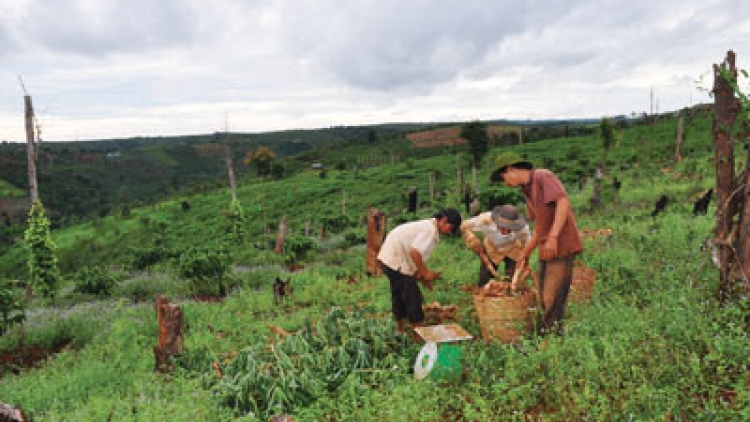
[376, 232]
[31, 150]
[679, 140]
[279, 248]
[171, 330]
[230, 170]
[343, 202]
[726, 107]
[308, 226]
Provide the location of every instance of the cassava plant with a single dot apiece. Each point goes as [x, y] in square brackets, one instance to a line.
[12, 307]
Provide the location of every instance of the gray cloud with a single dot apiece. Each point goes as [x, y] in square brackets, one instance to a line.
[127, 67]
[387, 45]
[105, 27]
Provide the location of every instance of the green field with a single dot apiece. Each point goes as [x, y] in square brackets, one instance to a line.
[653, 344]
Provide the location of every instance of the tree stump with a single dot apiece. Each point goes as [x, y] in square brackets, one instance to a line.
[171, 329]
[411, 194]
[9, 413]
[375, 237]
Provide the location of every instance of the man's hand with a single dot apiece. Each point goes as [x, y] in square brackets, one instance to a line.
[522, 273]
[488, 264]
[549, 249]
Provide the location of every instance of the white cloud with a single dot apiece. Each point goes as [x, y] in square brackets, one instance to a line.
[114, 68]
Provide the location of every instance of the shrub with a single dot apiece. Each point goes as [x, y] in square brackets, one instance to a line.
[499, 195]
[144, 257]
[12, 307]
[43, 270]
[206, 269]
[94, 281]
[297, 247]
[236, 223]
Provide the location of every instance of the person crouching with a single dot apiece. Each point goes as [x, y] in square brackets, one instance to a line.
[403, 256]
[505, 233]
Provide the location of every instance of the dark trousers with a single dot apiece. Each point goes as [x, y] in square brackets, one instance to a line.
[555, 277]
[406, 298]
[485, 275]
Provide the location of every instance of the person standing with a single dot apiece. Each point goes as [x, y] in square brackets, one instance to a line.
[403, 256]
[505, 233]
[555, 233]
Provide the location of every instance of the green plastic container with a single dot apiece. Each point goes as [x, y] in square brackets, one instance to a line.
[439, 362]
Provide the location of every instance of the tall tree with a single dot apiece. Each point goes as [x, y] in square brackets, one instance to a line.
[476, 135]
[262, 157]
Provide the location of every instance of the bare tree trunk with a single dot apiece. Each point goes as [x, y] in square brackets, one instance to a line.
[343, 202]
[679, 140]
[279, 249]
[171, 330]
[726, 107]
[31, 150]
[432, 187]
[375, 237]
[230, 170]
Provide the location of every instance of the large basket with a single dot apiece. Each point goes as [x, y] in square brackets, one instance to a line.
[505, 318]
[582, 286]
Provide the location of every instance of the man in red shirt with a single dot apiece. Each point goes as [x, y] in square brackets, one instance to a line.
[555, 232]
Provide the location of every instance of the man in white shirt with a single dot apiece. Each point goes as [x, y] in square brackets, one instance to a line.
[505, 233]
[403, 256]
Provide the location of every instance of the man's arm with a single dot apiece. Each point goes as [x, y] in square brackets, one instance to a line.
[423, 273]
[562, 208]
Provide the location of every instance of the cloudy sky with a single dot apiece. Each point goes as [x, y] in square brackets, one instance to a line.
[118, 68]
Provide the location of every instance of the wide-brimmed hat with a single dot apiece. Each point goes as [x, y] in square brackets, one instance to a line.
[507, 159]
[508, 217]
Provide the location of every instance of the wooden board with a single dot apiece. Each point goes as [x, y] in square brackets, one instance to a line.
[443, 333]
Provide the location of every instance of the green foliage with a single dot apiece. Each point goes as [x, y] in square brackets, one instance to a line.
[236, 223]
[298, 248]
[499, 195]
[311, 364]
[96, 280]
[12, 306]
[146, 256]
[336, 223]
[42, 263]
[476, 134]
[206, 269]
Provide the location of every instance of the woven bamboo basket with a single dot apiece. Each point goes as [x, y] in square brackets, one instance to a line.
[505, 318]
[582, 286]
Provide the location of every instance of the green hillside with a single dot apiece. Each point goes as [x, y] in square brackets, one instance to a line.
[653, 344]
